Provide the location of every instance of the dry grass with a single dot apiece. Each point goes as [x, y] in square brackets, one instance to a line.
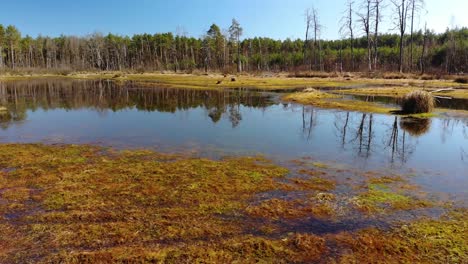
[426, 241]
[462, 79]
[82, 204]
[74, 204]
[418, 102]
[326, 100]
[311, 74]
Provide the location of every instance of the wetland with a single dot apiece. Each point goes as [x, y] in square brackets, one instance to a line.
[128, 171]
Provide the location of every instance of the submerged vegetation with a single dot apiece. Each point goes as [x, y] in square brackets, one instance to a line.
[86, 204]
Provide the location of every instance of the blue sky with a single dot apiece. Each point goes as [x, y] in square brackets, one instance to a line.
[278, 19]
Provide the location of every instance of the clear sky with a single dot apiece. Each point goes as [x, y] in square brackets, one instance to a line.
[278, 19]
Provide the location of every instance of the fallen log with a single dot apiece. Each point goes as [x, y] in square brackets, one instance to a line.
[443, 90]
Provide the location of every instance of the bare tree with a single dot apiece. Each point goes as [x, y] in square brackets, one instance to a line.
[308, 20]
[317, 29]
[401, 8]
[378, 18]
[365, 18]
[347, 28]
[422, 60]
[416, 7]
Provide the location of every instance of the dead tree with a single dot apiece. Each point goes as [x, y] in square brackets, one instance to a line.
[416, 6]
[378, 18]
[365, 18]
[308, 19]
[401, 8]
[347, 28]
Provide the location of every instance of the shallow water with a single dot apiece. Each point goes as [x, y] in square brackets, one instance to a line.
[447, 103]
[235, 122]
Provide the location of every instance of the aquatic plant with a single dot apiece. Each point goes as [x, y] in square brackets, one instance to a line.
[425, 241]
[380, 197]
[417, 102]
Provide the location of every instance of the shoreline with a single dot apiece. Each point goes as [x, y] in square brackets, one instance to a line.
[294, 89]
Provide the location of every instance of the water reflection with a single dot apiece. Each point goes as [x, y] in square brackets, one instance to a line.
[415, 126]
[102, 96]
[221, 122]
[448, 103]
[359, 134]
[309, 121]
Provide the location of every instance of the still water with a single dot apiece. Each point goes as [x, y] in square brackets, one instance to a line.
[233, 122]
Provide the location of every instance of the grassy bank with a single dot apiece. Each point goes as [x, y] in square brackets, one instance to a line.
[400, 91]
[201, 81]
[326, 100]
[72, 204]
[281, 81]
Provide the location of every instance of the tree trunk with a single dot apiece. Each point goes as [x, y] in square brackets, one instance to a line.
[376, 34]
[411, 38]
[400, 64]
[1, 57]
[239, 63]
[423, 54]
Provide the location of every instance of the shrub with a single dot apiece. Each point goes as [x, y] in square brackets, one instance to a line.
[312, 74]
[394, 76]
[417, 102]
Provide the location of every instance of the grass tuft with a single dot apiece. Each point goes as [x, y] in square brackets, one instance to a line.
[418, 102]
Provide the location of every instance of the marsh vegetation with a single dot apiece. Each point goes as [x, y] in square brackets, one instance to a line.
[87, 204]
[193, 187]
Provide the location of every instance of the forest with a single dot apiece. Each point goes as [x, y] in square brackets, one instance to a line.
[362, 48]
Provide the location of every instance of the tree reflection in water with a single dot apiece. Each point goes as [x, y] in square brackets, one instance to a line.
[309, 121]
[357, 131]
[21, 96]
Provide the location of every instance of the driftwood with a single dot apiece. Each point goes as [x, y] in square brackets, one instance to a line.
[443, 97]
[443, 90]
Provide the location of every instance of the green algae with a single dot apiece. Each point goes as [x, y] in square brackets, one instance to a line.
[424, 241]
[380, 196]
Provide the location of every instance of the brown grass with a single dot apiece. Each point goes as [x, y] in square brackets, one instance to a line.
[418, 102]
[462, 79]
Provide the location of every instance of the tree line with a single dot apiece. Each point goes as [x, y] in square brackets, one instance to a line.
[361, 48]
